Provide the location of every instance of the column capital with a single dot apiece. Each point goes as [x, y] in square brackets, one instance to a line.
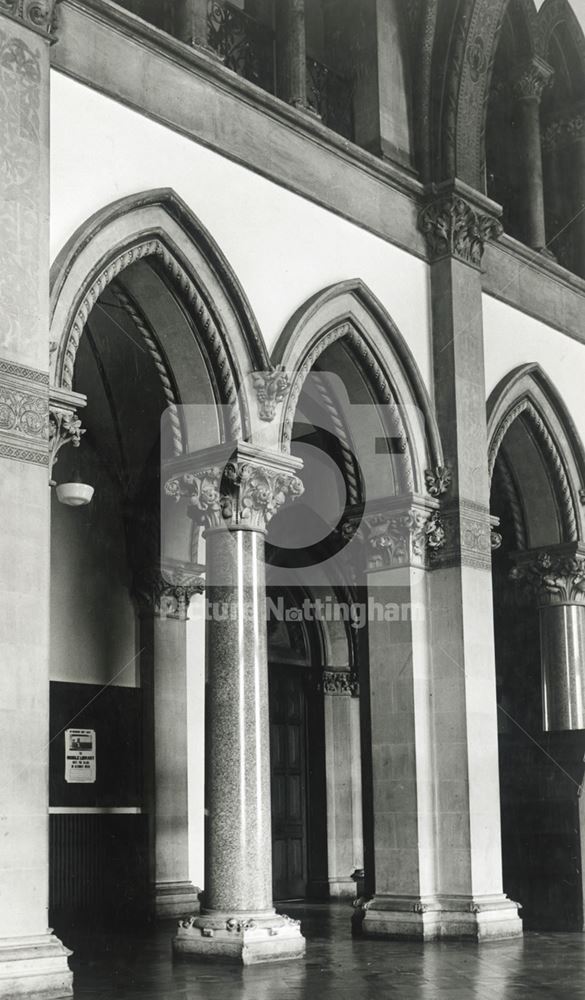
[39, 15]
[458, 223]
[397, 532]
[556, 574]
[531, 80]
[165, 591]
[64, 424]
[235, 486]
[340, 682]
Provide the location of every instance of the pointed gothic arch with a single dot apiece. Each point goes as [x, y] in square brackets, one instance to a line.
[526, 398]
[349, 315]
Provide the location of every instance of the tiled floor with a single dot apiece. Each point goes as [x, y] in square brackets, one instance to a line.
[337, 967]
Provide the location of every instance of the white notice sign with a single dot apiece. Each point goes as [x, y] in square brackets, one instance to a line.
[79, 755]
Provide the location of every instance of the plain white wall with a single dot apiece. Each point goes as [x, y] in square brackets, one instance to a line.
[283, 248]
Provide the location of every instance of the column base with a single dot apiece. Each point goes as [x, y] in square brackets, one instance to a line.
[35, 967]
[480, 918]
[245, 938]
[175, 899]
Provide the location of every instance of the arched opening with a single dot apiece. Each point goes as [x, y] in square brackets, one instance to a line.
[148, 323]
[506, 154]
[563, 138]
[536, 462]
[358, 416]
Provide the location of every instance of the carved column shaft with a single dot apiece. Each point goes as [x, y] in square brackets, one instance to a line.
[528, 89]
[234, 497]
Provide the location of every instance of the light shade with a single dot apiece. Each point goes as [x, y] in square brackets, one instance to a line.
[74, 494]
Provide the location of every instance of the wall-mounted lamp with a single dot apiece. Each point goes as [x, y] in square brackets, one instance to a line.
[65, 428]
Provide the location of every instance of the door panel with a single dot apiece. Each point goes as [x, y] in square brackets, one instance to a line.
[288, 773]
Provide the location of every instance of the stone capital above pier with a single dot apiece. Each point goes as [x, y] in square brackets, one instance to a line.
[234, 486]
[39, 15]
[397, 532]
[555, 574]
[457, 223]
[166, 591]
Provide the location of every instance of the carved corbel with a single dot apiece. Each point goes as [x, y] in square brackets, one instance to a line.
[271, 388]
[166, 592]
[64, 425]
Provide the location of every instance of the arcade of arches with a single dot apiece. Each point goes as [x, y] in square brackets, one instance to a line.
[293, 481]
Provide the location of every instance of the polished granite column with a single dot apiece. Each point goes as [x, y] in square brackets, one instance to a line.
[528, 88]
[557, 576]
[163, 598]
[457, 222]
[234, 491]
[32, 960]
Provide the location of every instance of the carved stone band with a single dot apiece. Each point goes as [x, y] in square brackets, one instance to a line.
[557, 576]
[36, 14]
[455, 228]
[244, 490]
[564, 131]
[470, 535]
[24, 413]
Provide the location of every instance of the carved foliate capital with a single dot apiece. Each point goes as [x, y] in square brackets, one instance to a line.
[270, 389]
[455, 228]
[64, 424]
[555, 576]
[244, 492]
[167, 593]
[532, 79]
[394, 539]
[438, 480]
[341, 682]
[36, 14]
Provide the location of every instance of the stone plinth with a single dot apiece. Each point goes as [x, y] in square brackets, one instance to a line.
[34, 966]
[249, 940]
[429, 919]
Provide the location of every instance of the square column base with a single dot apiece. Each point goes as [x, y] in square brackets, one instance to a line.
[481, 918]
[35, 967]
[245, 938]
[175, 899]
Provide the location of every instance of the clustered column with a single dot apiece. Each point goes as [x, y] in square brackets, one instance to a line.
[163, 598]
[557, 576]
[234, 492]
[528, 88]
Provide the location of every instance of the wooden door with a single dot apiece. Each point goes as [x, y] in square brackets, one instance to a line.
[288, 779]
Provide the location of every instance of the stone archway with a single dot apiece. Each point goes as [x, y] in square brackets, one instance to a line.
[537, 463]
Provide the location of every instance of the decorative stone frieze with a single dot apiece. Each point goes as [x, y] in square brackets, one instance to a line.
[36, 14]
[166, 592]
[341, 682]
[270, 389]
[438, 480]
[24, 413]
[557, 576]
[469, 536]
[245, 490]
[565, 130]
[532, 80]
[453, 227]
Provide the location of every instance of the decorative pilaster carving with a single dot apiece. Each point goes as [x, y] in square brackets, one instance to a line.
[167, 593]
[36, 14]
[438, 480]
[244, 492]
[341, 682]
[453, 227]
[469, 536]
[557, 577]
[532, 80]
[270, 389]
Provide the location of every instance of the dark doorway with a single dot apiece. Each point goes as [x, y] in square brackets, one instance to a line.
[288, 740]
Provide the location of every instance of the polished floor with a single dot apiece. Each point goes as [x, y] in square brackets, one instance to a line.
[138, 964]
